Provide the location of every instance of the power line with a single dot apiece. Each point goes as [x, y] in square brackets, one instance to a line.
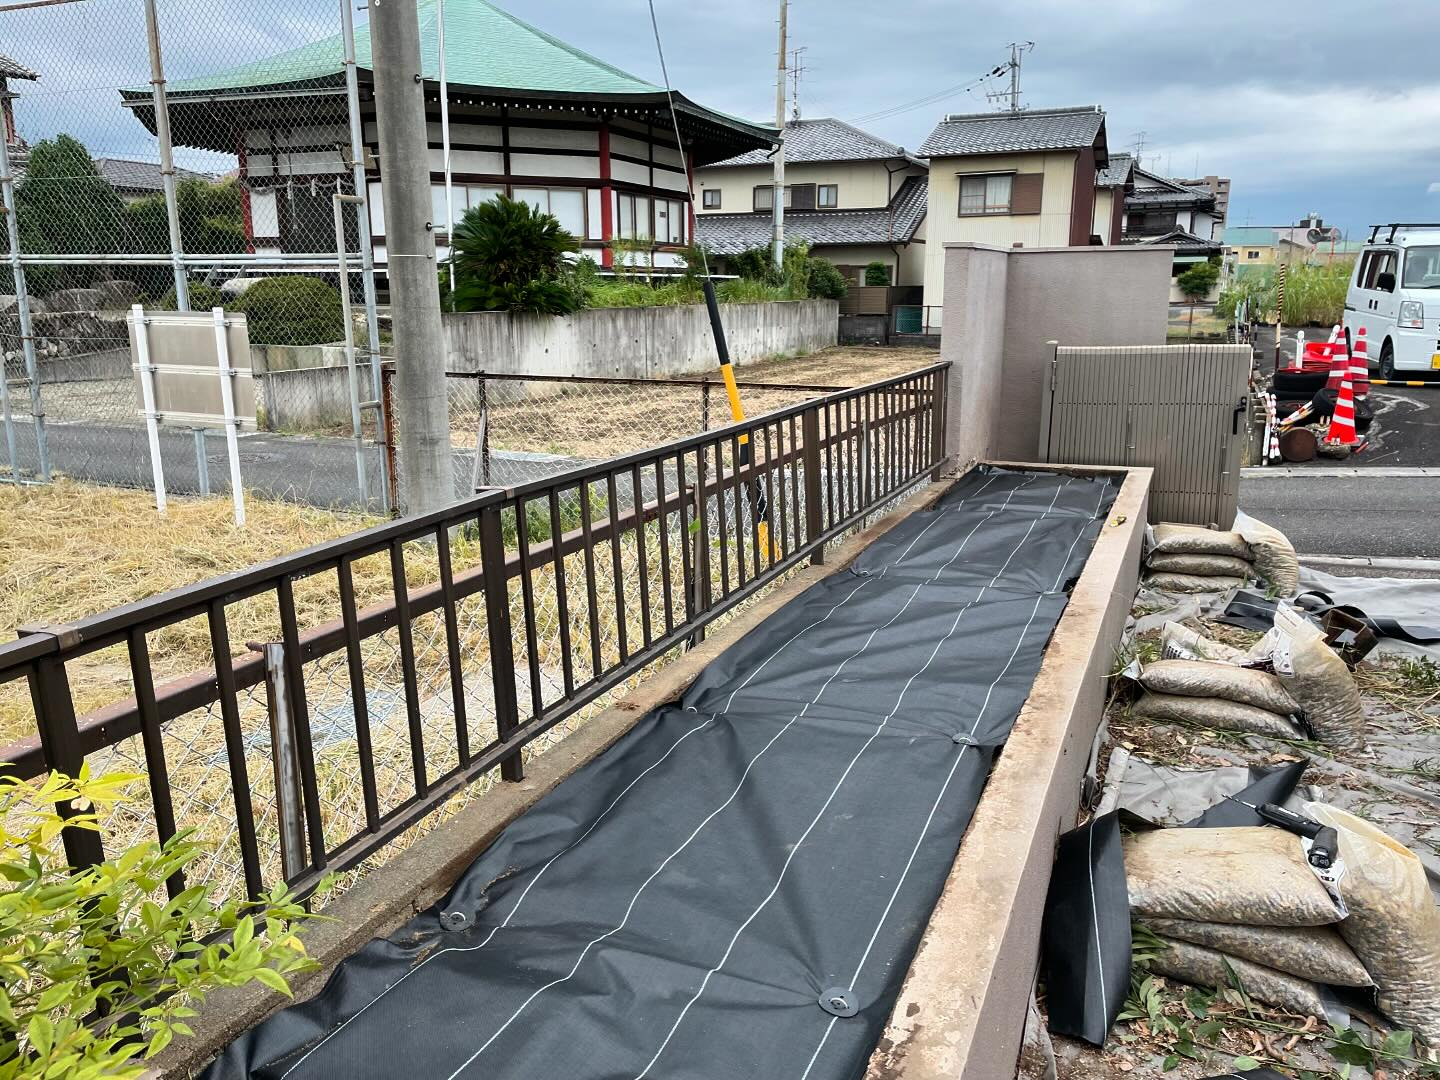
[929, 99]
[1017, 50]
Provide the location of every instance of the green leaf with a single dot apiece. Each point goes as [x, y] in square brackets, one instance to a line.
[1246, 1063]
[1398, 1043]
[41, 1034]
[272, 979]
[1352, 1053]
[1170, 1062]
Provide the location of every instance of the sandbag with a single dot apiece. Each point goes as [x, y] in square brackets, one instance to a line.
[1316, 678]
[1194, 540]
[1208, 679]
[1190, 583]
[1214, 713]
[1179, 642]
[1199, 966]
[1272, 554]
[1394, 924]
[1249, 877]
[1200, 565]
[1317, 953]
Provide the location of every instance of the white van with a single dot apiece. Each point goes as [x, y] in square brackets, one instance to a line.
[1395, 296]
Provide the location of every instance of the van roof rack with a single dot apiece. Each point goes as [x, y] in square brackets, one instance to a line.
[1399, 226]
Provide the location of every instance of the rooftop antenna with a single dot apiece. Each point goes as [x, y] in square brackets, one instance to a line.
[1017, 50]
[1139, 145]
[796, 70]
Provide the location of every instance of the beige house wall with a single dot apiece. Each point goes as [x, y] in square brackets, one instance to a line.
[1100, 220]
[1049, 228]
[862, 184]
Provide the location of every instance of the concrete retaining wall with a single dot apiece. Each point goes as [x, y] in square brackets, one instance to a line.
[961, 1012]
[309, 398]
[633, 342]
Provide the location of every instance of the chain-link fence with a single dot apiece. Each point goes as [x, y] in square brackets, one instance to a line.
[187, 156]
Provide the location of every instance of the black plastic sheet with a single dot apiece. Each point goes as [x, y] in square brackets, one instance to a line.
[736, 887]
[1085, 942]
[1272, 785]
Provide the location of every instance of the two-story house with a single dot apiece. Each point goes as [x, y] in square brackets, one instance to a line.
[853, 197]
[1164, 212]
[1014, 179]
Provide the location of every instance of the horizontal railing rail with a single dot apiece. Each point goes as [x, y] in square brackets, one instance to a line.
[491, 621]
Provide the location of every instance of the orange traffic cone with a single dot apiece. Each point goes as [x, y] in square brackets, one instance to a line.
[1342, 421]
[1360, 364]
[1339, 365]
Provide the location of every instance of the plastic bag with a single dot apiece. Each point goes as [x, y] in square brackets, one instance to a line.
[1317, 953]
[1249, 877]
[1179, 642]
[1315, 677]
[1188, 583]
[1200, 565]
[1272, 553]
[1194, 540]
[1394, 925]
[1199, 966]
[1214, 713]
[1208, 679]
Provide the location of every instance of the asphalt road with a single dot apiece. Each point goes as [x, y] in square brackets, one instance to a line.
[1383, 516]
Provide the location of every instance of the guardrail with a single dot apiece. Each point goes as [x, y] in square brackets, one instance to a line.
[493, 620]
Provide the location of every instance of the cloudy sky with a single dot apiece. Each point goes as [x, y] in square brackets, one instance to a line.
[1306, 104]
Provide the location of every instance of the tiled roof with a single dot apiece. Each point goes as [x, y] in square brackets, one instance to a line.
[822, 139]
[486, 49]
[727, 234]
[125, 175]
[1164, 197]
[1187, 242]
[1000, 133]
[10, 69]
[1118, 172]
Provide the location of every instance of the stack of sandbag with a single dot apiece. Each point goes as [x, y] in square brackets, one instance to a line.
[1190, 559]
[1307, 691]
[1244, 900]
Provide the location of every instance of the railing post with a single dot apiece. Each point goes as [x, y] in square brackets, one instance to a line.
[60, 741]
[810, 429]
[484, 447]
[387, 426]
[497, 623]
[289, 804]
[939, 405]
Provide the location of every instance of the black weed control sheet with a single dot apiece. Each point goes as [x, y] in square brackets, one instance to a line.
[736, 887]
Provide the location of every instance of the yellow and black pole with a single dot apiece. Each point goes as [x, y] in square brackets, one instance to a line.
[759, 501]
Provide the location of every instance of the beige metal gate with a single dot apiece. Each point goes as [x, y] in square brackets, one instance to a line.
[1178, 408]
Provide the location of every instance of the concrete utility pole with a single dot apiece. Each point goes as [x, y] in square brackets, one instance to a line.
[778, 199]
[425, 466]
[1017, 50]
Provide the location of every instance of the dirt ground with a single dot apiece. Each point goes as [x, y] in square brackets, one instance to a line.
[1392, 783]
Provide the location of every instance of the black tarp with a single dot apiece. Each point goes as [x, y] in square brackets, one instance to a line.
[680, 906]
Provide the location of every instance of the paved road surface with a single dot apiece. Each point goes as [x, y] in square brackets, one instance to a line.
[1385, 516]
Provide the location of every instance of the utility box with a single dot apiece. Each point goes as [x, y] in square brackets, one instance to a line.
[184, 354]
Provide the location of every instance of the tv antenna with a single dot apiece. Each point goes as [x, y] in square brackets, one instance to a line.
[1139, 145]
[796, 69]
[1017, 50]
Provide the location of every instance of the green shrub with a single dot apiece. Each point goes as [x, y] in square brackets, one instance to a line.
[101, 971]
[291, 311]
[826, 282]
[203, 297]
[1198, 280]
[1314, 294]
[877, 273]
[511, 257]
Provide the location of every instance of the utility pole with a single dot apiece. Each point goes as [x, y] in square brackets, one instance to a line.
[778, 198]
[1017, 50]
[429, 481]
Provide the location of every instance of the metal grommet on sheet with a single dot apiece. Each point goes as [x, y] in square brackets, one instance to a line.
[454, 920]
[838, 1001]
[961, 738]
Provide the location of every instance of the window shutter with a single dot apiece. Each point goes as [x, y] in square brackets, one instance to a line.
[802, 197]
[1026, 192]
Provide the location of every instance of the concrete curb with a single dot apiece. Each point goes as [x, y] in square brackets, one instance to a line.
[1379, 563]
[961, 1011]
[1321, 472]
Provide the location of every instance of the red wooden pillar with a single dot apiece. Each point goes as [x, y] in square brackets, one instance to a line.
[244, 176]
[607, 211]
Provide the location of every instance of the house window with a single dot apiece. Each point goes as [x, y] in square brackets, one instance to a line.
[634, 217]
[985, 194]
[711, 197]
[567, 205]
[764, 197]
[828, 196]
[1252, 254]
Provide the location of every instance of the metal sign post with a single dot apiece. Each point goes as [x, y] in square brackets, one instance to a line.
[147, 393]
[227, 398]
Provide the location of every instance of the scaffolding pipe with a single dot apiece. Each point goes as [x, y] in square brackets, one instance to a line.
[27, 331]
[351, 370]
[362, 219]
[167, 160]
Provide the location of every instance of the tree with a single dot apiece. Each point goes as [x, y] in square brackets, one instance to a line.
[826, 282]
[212, 222]
[65, 207]
[877, 273]
[291, 311]
[510, 257]
[101, 971]
[1197, 281]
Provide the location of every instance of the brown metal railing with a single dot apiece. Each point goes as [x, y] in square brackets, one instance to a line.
[544, 598]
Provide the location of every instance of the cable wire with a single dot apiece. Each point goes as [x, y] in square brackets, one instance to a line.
[679, 143]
